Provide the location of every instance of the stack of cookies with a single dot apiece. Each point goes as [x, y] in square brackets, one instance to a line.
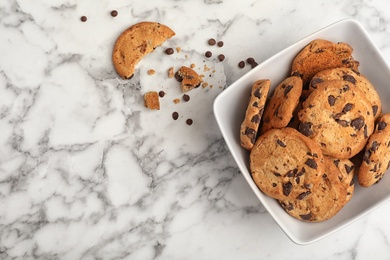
[319, 128]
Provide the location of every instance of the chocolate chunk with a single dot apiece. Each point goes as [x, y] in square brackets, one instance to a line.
[374, 146]
[257, 93]
[336, 162]
[305, 128]
[287, 187]
[255, 119]
[366, 156]
[352, 182]
[114, 13]
[306, 216]
[331, 100]
[189, 121]
[315, 81]
[279, 142]
[365, 132]
[161, 93]
[212, 42]
[250, 60]
[311, 163]
[348, 107]
[83, 18]
[186, 97]
[349, 78]
[221, 57]
[382, 125]
[343, 123]
[276, 112]
[169, 51]
[241, 64]
[374, 110]
[175, 115]
[287, 89]
[348, 168]
[178, 76]
[208, 54]
[357, 123]
[255, 104]
[274, 185]
[301, 172]
[220, 43]
[277, 174]
[303, 195]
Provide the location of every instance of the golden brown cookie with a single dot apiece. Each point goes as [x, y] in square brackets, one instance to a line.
[356, 78]
[376, 157]
[254, 112]
[337, 117]
[320, 55]
[188, 78]
[151, 100]
[279, 109]
[286, 164]
[135, 42]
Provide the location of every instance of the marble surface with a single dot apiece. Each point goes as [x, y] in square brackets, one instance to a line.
[87, 172]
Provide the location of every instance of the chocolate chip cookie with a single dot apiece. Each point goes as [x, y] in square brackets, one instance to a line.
[338, 117]
[254, 112]
[356, 78]
[279, 109]
[285, 164]
[320, 55]
[376, 157]
[136, 42]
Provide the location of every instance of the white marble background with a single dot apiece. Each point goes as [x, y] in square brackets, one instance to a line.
[86, 172]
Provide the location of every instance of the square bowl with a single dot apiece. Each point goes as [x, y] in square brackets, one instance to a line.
[229, 111]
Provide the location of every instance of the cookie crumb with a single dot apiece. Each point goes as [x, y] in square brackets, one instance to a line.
[171, 72]
[205, 84]
[152, 101]
[178, 49]
[151, 72]
[83, 18]
[188, 78]
[192, 65]
[176, 101]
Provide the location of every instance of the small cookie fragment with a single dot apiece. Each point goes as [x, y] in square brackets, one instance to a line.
[320, 55]
[136, 42]
[254, 112]
[376, 158]
[188, 78]
[152, 101]
[280, 107]
[286, 164]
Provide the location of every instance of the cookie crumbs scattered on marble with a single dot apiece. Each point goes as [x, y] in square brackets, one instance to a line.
[152, 100]
[176, 101]
[178, 49]
[188, 78]
[171, 72]
[151, 72]
[192, 65]
[205, 84]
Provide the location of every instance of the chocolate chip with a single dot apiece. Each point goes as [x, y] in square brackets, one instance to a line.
[274, 185]
[250, 60]
[311, 163]
[189, 121]
[366, 156]
[255, 104]
[315, 81]
[374, 146]
[301, 172]
[382, 125]
[212, 42]
[343, 123]
[208, 54]
[352, 182]
[255, 119]
[336, 162]
[348, 107]
[374, 110]
[220, 43]
[357, 123]
[365, 132]
[349, 78]
[241, 64]
[186, 97]
[331, 100]
[221, 57]
[348, 168]
[175, 115]
[287, 89]
[277, 174]
[169, 51]
[114, 13]
[257, 93]
[83, 18]
[287, 187]
[303, 195]
[254, 64]
[161, 93]
[178, 76]
[279, 142]
[305, 128]
[306, 216]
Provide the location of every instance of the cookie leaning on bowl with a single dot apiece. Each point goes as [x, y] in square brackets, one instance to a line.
[254, 112]
[136, 42]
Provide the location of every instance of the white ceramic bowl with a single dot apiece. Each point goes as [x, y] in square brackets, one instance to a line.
[229, 111]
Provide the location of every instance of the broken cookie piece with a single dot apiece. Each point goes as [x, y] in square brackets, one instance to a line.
[189, 78]
[152, 101]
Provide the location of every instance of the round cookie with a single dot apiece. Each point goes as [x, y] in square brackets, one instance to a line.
[279, 109]
[337, 117]
[320, 55]
[356, 78]
[254, 112]
[286, 164]
[136, 42]
[376, 157]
